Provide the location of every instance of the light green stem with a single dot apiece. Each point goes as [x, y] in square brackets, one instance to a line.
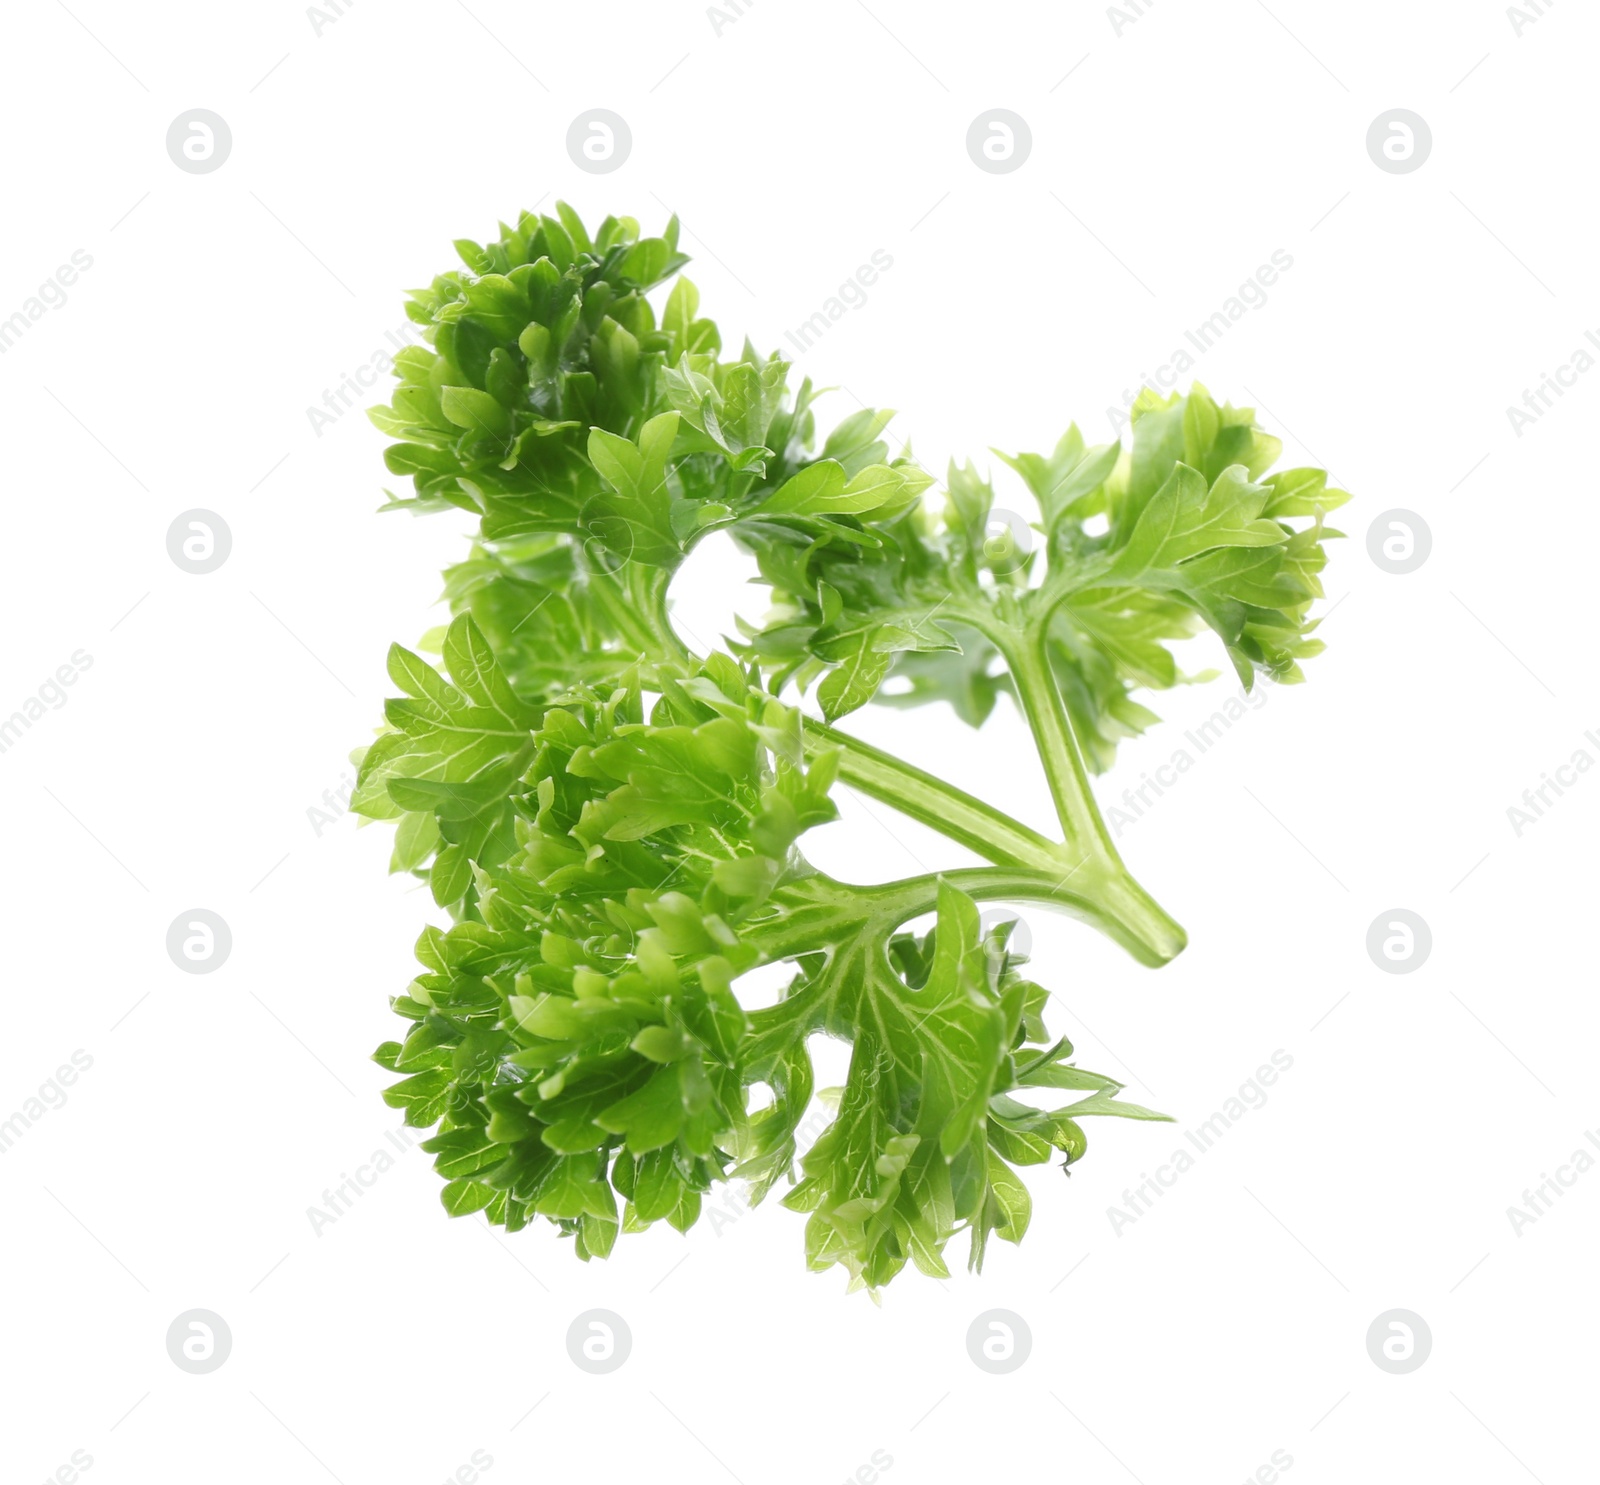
[635, 601]
[962, 817]
[1119, 895]
[1036, 689]
[818, 911]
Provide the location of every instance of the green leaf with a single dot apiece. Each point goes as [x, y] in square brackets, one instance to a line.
[1106, 1102]
[634, 520]
[650, 1118]
[661, 1044]
[1066, 482]
[855, 681]
[461, 1198]
[1184, 518]
[475, 411]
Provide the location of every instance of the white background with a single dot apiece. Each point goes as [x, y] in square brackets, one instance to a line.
[1224, 1325]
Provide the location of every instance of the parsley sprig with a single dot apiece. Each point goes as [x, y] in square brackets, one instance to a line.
[613, 822]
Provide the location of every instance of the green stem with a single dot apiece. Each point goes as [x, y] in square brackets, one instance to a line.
[819, 911]
[1120, 896]
[1085, 877]
[1143, 926]
[1036, 688]
[962, 817]
[635, 601]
